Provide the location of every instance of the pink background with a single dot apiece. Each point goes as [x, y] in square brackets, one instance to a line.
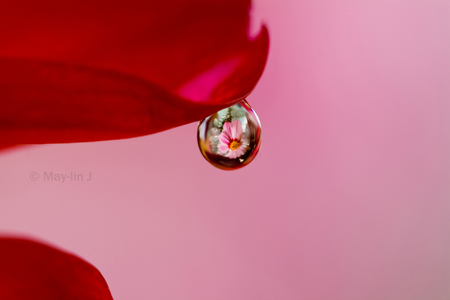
[349, 197]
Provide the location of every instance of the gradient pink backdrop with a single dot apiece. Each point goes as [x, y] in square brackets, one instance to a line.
[349, 197]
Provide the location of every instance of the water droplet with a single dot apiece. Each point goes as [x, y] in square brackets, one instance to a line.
[230, 138]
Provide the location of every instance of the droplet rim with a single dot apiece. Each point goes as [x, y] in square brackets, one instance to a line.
[253, 151]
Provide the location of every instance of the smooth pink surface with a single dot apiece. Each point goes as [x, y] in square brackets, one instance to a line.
[349, 197]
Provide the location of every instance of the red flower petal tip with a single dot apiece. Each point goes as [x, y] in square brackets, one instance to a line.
[94, 70]
[32, 271]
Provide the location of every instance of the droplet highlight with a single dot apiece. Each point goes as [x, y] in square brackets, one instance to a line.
[230, 139]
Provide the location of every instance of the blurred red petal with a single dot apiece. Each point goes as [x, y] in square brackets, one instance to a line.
[31, 271]
[97, 70]
[6, 146]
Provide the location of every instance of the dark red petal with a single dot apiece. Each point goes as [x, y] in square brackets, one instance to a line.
[6, 146]
[31, 271]
[96, 70]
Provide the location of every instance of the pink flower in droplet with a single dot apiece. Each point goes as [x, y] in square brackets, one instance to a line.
[232, 144]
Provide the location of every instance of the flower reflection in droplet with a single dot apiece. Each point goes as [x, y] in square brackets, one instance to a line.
[230, 138]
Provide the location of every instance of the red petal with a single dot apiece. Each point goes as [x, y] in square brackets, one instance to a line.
[6, 146]
[31, 270]
[97, 70]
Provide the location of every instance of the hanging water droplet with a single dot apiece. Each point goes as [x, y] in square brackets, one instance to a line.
[230, 138]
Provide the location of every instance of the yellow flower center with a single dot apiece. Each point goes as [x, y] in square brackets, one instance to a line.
[234, 145]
